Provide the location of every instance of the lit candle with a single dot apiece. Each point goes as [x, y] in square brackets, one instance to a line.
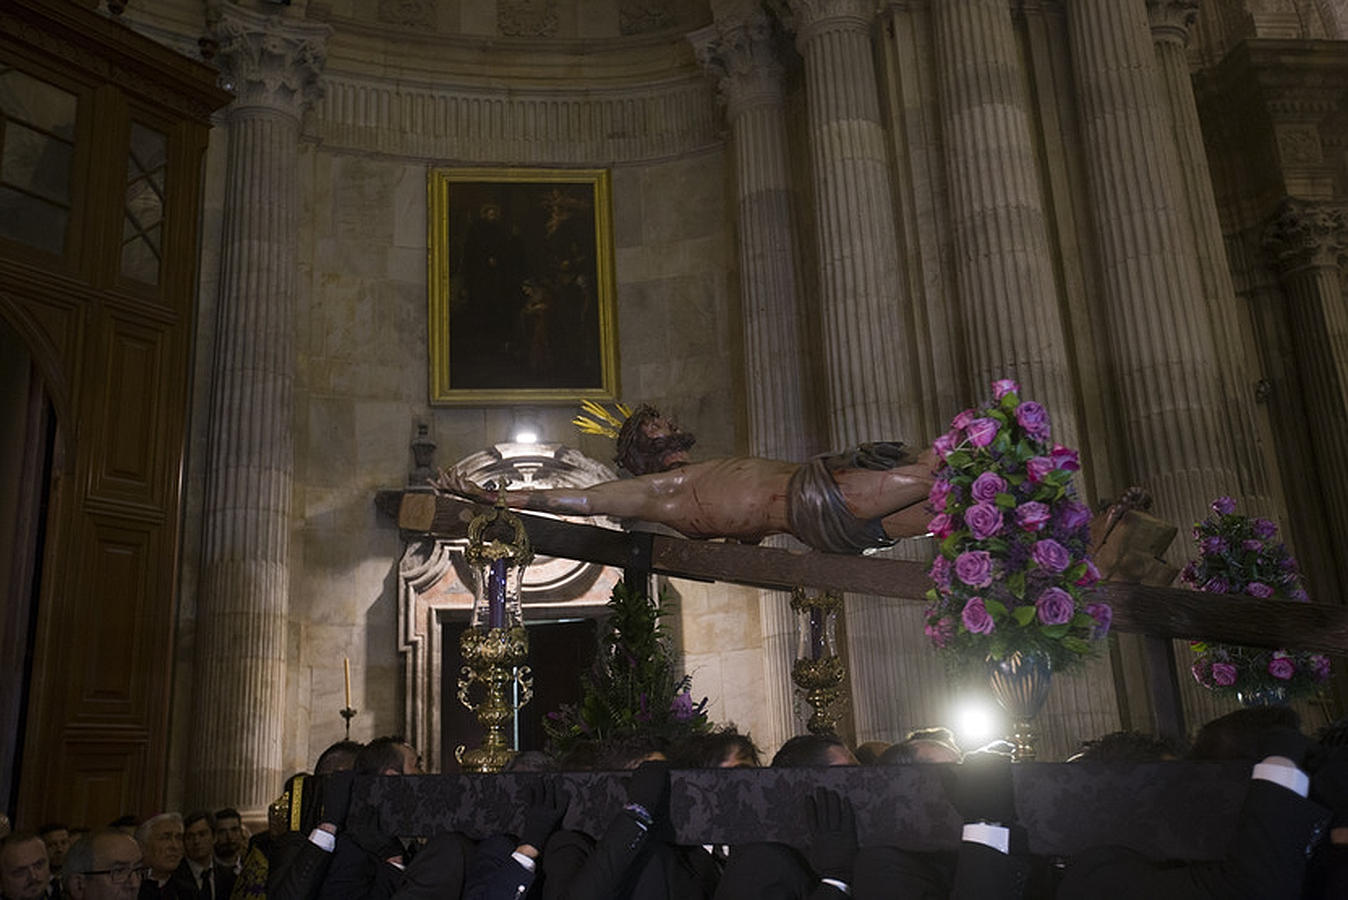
[817, 647]
[496, 589]
[346, 668]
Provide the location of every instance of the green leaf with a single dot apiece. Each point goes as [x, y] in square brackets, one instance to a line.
[951, 543]
[933, 596]
[995, 608]
[1016, 585]
[1010, 401]
[1006, 501]
[1076, 645]
[1023, 615]
[1054, 631]
[1074, 574]
[1002, 444]
[1015, 479]
[997, 415]
[958, 459]
[996, 545]
[1083, 620]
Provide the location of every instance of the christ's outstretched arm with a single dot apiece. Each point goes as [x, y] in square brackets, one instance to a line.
[635, 498]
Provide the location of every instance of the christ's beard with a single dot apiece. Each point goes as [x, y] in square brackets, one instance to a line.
[655, 451]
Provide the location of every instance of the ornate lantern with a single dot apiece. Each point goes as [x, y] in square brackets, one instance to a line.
[495, 644]
[818, 670]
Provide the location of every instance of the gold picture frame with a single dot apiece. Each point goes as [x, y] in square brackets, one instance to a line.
[521, 285]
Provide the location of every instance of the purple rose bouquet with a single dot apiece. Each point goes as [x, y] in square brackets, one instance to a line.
[1012, 573]
[1241, 555]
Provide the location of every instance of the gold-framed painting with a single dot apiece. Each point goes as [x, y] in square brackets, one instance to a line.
[522, 306]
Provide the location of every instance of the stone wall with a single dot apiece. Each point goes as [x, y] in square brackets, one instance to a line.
[361, 386]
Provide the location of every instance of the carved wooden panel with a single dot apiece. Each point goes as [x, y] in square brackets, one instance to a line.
[129, 410]
[109, 681]
[104, 775]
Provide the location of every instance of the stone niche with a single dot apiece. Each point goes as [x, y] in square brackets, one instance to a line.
[436, 585]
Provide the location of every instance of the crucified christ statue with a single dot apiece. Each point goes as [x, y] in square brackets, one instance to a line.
[848, 502]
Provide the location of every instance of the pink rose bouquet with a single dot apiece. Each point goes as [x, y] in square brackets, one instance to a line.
[1241, 555]
[1012, 572]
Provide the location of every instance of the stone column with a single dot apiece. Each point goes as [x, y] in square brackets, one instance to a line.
[739, 51]
[238, 712]
[1171, 24]
[1164, 354]
[866, 334]
[1307, 240]
[1012, 318]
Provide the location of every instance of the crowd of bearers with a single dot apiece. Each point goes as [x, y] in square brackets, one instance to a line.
[1291, 838]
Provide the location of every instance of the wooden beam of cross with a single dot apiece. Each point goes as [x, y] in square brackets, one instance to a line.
[1155, 611]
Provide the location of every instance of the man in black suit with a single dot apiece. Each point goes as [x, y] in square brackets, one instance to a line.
[1278, 828]
[635, 856]
[368, 864]
[211, 882]
[161, 841]
[299, 862]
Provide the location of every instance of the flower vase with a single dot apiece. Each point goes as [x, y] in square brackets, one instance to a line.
[1020, 682]
[1268, 695]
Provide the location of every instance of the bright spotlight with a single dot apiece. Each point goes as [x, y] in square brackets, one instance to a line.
[976, 722]
[526, 437]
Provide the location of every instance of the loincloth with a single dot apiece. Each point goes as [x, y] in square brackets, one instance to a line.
[815, 507]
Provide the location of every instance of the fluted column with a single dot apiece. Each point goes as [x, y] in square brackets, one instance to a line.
[1012, 320]
[1307, 240]
[739, 51]
[238, 713]
[1171, 24]
[1164, 354]
[866, 334]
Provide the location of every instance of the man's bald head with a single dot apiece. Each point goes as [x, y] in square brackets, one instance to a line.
[114, 856]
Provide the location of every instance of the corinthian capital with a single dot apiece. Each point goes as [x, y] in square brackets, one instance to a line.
[740, 52]
[270, 61]
[1306, 235]
[812, 17]
[1171, 20]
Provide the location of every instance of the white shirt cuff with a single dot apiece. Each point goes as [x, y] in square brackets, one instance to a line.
[326, 841]
[994, 836]
[840, 885]
[523, 860]
[1291, 778]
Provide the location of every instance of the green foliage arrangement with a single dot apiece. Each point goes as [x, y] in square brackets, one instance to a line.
[632, 688]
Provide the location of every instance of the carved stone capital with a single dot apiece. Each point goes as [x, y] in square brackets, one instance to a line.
[1303, 234]
[740, 52]
[1172, 20]
[810, 18]
[270, 61]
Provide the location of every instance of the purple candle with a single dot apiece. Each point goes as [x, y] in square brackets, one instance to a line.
[817, 648]
[496, 588]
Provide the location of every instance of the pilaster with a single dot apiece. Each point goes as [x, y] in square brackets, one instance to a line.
[741, 52]
[1165, 358]
[1306, 242]
[1171, 22]
[1012, 320]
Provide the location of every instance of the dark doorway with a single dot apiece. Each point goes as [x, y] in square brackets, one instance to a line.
[560, 652]
[27, 419]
